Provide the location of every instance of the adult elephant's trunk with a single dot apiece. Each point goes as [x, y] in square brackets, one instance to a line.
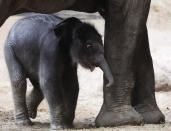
[107, 72]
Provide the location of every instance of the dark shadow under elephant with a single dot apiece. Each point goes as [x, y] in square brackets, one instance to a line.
[131, 100]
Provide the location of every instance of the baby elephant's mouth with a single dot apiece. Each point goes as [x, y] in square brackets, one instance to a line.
[92, 68]
[88, 66]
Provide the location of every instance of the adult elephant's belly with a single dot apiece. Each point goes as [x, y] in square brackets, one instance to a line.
[89, 6]
[48, 6]
[58, 5]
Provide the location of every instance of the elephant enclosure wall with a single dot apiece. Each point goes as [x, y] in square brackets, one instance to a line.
[90, 97]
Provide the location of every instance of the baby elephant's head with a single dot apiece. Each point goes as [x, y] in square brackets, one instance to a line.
[87, 50]
[86, 46]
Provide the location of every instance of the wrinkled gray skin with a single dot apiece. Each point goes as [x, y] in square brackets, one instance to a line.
[47, 53]
[131, 100]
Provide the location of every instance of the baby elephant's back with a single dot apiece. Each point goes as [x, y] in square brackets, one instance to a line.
[27, 35]
[32, 29]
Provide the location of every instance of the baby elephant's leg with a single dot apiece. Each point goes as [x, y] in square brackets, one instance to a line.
[18, 83]
[34, 99]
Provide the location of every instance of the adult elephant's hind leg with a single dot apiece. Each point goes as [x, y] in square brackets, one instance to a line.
[70, 93]
[144, 93]
[18, 83]
[34, 99]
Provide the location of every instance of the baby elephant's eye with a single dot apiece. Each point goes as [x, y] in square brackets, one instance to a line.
[89, 45]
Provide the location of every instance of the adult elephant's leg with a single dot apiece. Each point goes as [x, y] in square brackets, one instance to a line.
[70, 93]
[144, 92]
[125, 22]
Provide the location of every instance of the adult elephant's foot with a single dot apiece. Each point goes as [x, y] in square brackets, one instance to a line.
[123, 115]
[150, 114]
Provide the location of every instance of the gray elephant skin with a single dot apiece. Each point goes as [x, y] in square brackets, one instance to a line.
[47, 49]
[131, 100]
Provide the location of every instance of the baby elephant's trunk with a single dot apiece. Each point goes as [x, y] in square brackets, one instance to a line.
[107, 72]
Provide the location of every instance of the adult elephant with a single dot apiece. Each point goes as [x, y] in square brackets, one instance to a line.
[131, 100]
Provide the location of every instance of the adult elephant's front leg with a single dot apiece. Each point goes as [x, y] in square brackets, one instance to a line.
[144, 93]
[125, 23]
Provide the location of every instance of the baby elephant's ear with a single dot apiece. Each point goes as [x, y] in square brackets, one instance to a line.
[66, 25]
[60, 28]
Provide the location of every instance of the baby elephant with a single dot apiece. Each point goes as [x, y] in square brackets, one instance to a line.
[46, 49]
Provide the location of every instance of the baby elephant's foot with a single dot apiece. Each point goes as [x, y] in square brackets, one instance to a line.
[32, 112]
[31, 107]
[55, 126]
[33, 100]
[24, 122]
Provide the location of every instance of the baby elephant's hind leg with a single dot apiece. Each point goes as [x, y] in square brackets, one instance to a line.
[34, 99]
[18, 83]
